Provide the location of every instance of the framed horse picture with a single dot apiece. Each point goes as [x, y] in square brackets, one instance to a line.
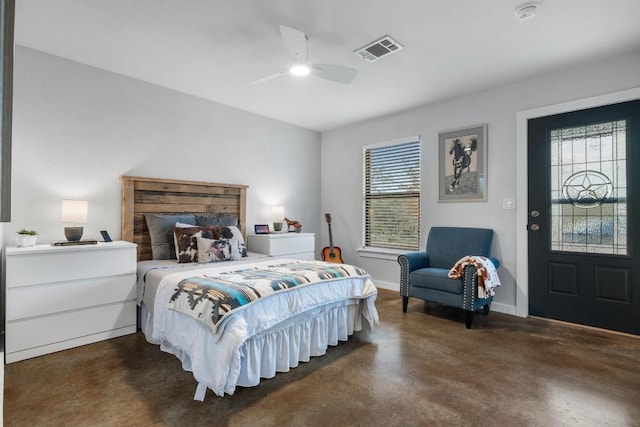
[463, 164]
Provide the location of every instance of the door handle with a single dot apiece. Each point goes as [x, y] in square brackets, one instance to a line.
[534, 227]
[534, 214]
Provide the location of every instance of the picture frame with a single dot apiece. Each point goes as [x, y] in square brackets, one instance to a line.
[261, 228]
[462, 158]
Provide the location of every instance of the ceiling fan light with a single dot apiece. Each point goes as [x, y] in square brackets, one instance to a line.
[300, 70]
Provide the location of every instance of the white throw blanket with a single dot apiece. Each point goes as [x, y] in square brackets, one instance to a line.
[488, 278]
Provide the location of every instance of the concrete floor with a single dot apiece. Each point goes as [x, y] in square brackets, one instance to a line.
[415, 369]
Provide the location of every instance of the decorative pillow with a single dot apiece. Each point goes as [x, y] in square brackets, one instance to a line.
[219, 220]
[161, 233]
[212, 250]
[237, 243]
[186, 243]
[235, 238]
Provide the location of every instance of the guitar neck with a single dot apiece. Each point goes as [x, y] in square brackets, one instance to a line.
[330, 238]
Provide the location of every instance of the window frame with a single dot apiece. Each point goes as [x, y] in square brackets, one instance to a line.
[380, 251]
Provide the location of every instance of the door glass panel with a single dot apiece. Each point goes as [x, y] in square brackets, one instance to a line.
[589, 189]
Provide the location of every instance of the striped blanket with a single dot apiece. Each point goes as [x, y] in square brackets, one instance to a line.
[488, 278]
[211, 298]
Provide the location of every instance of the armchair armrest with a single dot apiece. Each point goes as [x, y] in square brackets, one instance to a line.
[470, 285]
[409, 262]
[415, 260]
[495, 261]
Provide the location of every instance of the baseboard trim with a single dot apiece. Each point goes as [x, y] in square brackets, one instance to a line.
[387, 285]
[504, 308]
[585, 327]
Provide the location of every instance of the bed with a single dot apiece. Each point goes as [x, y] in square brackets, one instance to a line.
[243, 316]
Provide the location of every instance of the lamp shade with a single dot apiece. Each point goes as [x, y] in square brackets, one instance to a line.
[277, 213]
[74, 211]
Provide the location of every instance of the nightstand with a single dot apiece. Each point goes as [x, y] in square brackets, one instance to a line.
[66, 296]
[284, 245]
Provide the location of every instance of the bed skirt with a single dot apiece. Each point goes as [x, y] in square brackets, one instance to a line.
[231, 361]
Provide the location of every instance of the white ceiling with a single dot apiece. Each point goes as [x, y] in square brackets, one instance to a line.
[214, 48]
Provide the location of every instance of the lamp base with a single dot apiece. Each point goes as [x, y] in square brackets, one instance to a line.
[73, 234]
[277, 226]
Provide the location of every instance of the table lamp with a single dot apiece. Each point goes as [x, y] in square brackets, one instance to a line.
[277, 214]
[75, 212]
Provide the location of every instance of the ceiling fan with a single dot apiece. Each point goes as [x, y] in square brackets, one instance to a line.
[297, 43]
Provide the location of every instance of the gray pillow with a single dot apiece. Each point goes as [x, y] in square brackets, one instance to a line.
[161, 233]
[219, 220]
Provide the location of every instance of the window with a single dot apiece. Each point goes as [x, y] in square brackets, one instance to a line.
[392, 194]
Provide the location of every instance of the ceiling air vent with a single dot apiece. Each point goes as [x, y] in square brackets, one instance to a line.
[379, 48]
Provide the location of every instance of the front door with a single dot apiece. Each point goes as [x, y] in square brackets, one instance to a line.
[584, 217]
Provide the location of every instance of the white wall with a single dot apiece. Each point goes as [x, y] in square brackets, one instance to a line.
[77, 129]
[342, 151]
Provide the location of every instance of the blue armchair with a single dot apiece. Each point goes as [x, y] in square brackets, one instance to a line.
[424, 274]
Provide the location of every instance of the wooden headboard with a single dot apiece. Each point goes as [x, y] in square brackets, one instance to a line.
[170, 196]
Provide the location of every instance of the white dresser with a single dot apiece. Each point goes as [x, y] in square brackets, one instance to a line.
[67, 296]
[284, 245]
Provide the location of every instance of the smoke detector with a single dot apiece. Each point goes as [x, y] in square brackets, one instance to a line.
[527, 11]
[378, 49]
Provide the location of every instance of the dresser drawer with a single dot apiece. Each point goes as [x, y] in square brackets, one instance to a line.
[37, 300]
[41, 331]
[282, 245]
[291, 245]
[62, 265]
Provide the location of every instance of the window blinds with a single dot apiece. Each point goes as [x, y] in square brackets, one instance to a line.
[392, 196]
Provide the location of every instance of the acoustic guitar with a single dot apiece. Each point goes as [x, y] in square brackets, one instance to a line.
[331, 253]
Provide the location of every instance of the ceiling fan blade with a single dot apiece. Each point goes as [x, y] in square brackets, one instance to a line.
[296, 42]
[335, 73]
[269, 77]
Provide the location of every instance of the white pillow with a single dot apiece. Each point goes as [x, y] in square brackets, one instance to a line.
[210, 250]
[183, 225]
[237, 243]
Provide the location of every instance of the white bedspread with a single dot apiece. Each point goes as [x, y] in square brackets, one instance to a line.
[259, 341]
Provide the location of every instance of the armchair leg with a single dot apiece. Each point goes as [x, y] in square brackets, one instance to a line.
[405, 302]
[468, 318]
